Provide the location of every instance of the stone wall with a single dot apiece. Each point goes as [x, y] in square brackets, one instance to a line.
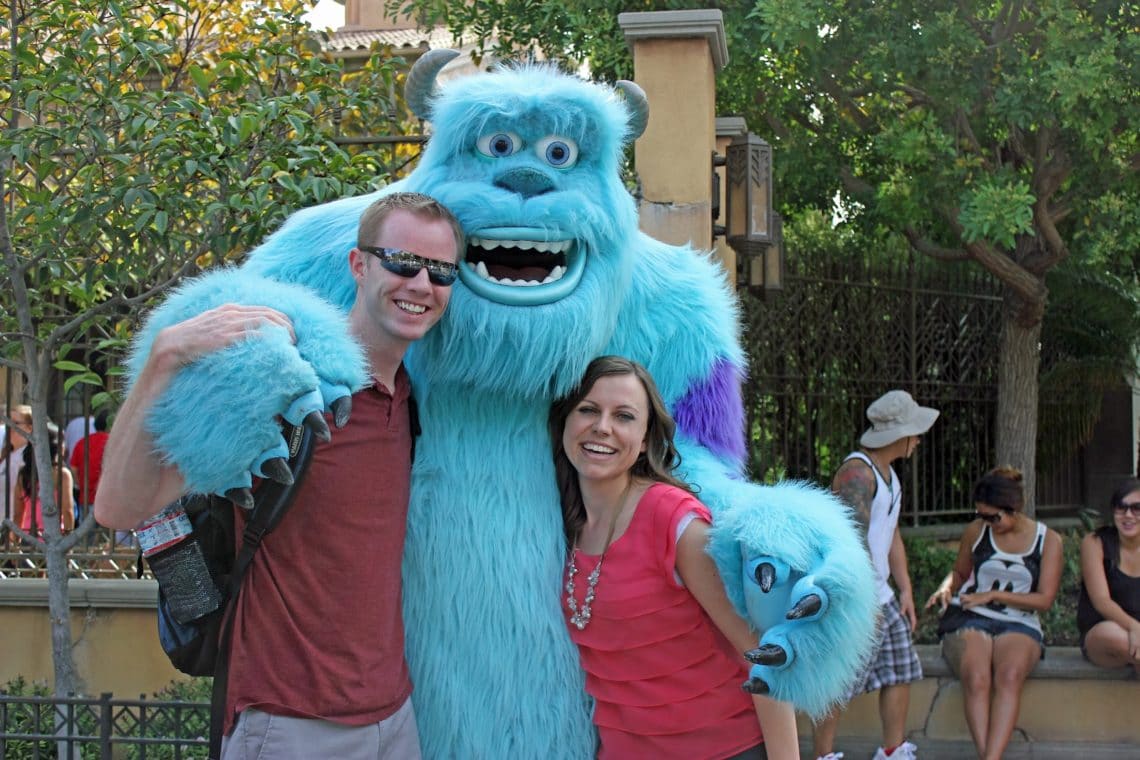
[1067, 703]
[113, 633]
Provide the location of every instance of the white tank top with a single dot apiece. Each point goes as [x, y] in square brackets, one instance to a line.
[995, 570]
[885, 508]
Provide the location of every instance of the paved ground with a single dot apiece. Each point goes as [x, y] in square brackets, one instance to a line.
[860, 749]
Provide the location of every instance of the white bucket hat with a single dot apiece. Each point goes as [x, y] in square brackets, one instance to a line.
[893, 416]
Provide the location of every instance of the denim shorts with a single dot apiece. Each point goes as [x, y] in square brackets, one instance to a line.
[957, 619]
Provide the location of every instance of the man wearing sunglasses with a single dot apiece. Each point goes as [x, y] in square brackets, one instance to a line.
[404, 264]
[316, 666]
[868, 484]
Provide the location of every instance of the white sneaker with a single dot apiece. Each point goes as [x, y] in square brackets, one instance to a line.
[905, 751]
[831, 756]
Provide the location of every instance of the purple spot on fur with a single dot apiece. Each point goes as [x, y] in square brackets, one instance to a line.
[712, 413]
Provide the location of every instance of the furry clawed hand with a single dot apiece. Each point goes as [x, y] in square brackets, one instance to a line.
[217, 420]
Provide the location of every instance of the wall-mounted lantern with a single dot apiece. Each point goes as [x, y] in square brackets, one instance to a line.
[752, 228]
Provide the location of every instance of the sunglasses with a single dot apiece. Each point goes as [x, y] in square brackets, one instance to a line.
[1133, 508]
[989, 517]
[407, 264]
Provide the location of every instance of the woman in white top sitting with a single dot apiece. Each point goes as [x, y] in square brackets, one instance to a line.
[1007, 572]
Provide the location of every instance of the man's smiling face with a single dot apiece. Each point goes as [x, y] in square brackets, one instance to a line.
[403, 309]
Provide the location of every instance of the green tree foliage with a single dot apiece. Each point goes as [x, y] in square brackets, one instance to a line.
[1002, 133]
[141, 141]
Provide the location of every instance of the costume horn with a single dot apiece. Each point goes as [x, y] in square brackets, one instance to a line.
[420, 85]
[638, 106]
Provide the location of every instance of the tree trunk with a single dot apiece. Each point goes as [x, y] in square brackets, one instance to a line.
[67, 680]
[1017, 397]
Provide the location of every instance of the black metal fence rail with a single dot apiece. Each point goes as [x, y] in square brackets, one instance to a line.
[843, 331]
[81, 728]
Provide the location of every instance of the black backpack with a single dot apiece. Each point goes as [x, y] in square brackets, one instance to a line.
[193, 647]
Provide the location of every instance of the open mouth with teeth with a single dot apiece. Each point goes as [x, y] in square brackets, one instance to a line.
[522, 263]
[521, 266]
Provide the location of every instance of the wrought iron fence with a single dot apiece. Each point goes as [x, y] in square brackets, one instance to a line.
[120, 562]
[80, 728]
[843, 332]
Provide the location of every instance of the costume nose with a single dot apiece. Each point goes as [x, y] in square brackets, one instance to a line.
[525, 181]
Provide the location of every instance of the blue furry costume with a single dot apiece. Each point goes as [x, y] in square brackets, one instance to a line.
[523, 155]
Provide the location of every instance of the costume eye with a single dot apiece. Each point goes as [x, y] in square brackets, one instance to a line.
[559, 152]
[499, 144]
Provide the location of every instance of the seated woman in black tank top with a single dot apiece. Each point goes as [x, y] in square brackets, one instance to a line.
[1108, 612]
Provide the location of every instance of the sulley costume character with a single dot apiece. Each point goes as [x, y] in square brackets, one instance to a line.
[556, 272]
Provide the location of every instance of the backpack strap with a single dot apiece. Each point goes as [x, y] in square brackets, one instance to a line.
[272, 501]
[414, 422]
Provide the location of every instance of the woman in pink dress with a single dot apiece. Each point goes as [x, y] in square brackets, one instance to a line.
[657, 636]
[27, 507]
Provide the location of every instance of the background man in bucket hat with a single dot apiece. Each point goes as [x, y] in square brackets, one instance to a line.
[868, 484]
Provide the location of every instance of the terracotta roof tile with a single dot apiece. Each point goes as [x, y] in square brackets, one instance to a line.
[362, 39]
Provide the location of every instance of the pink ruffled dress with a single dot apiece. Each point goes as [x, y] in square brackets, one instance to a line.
[665, 680]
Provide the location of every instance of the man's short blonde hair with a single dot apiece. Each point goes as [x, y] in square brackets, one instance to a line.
[372, 220]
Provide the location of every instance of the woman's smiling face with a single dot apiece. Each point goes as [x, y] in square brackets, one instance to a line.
[605, 432]
[1126, 516]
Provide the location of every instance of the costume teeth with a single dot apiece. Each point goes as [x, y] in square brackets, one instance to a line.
[555, 274]
[543, 246]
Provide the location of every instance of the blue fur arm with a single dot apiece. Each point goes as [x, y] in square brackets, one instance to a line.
[808, 536]
[217, 417]
[811, 533]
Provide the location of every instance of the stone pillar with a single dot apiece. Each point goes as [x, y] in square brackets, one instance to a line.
[676, 55]
[372, 15]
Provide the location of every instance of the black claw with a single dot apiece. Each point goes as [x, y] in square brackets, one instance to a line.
[315, 421]
[767, 654]
[341, 409]
[755, 685]
[277, 469]
[243, 497]
[809, 605]
[766, 576]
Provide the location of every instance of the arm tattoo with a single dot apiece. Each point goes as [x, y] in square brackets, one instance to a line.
[855, 485]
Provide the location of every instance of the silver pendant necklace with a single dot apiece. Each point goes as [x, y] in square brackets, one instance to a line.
[580, 618]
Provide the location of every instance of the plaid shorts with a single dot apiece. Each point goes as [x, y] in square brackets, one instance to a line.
[895, 662]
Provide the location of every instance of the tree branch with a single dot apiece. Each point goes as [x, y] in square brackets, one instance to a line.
[1051, 168]
[25, 537]
[966, 13]
[1055, 247]
[68, 542]
[917, 96]
[64, 331]
[1001, 265]
[855, 113]
[962, 121]
[928, 248]
[1006, 22]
